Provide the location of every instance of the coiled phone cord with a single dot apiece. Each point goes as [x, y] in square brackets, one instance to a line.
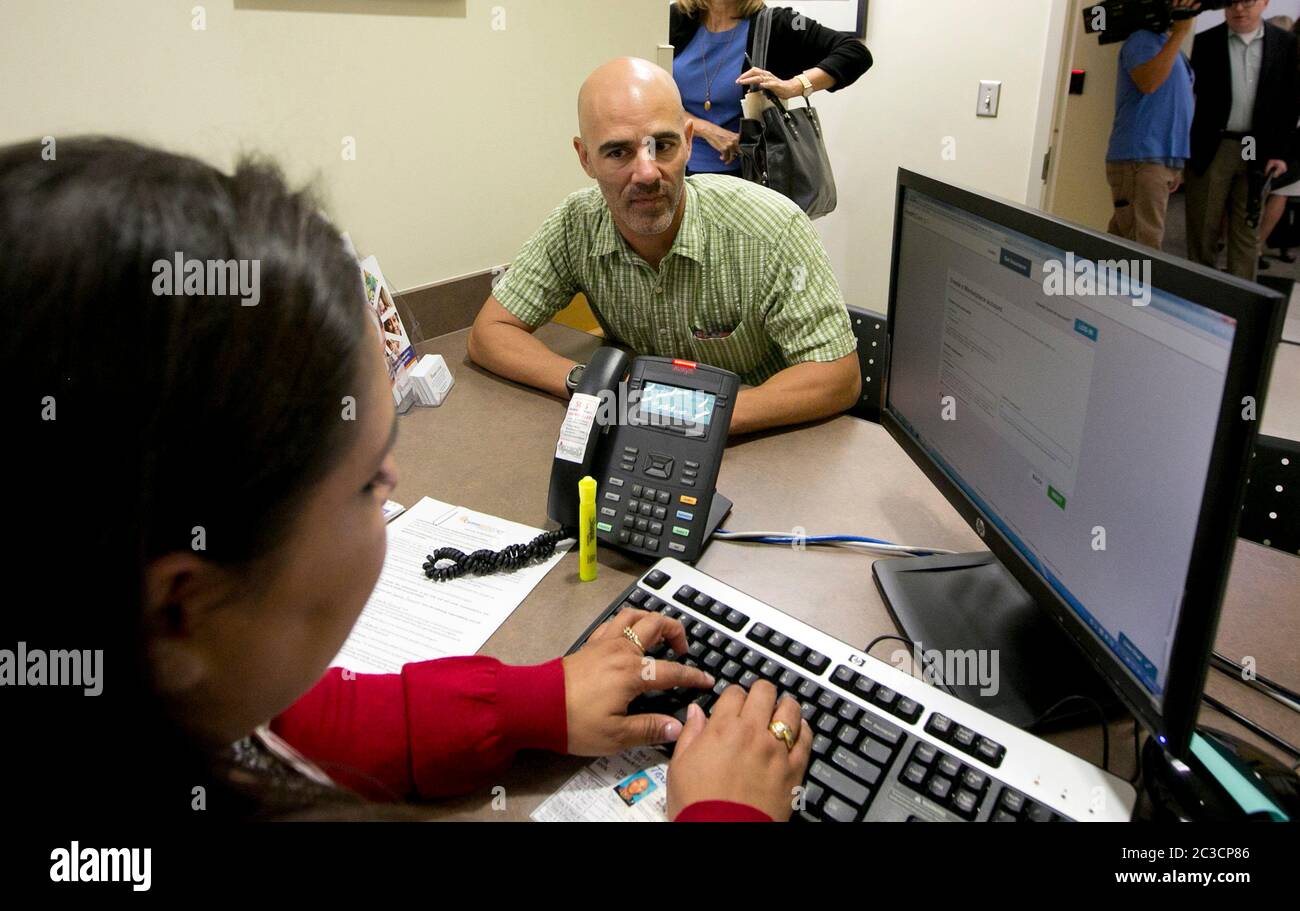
[482, 562]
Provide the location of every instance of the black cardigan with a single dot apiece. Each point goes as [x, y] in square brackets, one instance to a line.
[790, 51]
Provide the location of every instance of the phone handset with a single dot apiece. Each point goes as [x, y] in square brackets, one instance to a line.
[575, 452]
[580, 436]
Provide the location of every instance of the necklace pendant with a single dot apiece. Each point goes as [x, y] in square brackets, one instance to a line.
[708, 105]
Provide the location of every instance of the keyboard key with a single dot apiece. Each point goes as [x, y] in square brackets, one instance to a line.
[698, 630]
[848, 734]
[855, 765]
[713, 660]
[914, 774]
[925, 752]
[821, 745]
[908, 709]
[789, 679]
[939, 787]
[731, 671]
[836, 810]
[748, 679]
[637, 596]
[974, 779]
[843, 676]
[948, 765]
[759, 633]
[839, 783]
[828, 700]
[1003, 816]
[686, 594]
[879, 728]
[963, 737]
[808, 710]
[751, 659]
[1036, 812]
[717, 639]
[939, 725]
[883, 696]
[813, 794]
[826, 722]
[876, 751]
[702, 601]
[863, 686]
[796, 650]
[1012, 801]
[965, 802]
[778, 641]
[849, 711]
[770, 669]
[698, 650]
[656, 579]
[735, 620]
[809, 690]
[990, 751]
[735, 648]
[816, 662]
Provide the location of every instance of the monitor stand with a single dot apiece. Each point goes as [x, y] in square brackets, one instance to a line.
[954, 603]
[718, 511]
[1223, 779]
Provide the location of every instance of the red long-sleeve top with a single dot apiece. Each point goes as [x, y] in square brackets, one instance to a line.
[441, 727]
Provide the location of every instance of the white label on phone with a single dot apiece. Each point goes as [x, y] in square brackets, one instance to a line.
[576, 429]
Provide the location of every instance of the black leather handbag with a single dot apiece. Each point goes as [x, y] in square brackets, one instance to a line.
[785, 149]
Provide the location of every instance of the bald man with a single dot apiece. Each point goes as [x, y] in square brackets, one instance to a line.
[709, 268]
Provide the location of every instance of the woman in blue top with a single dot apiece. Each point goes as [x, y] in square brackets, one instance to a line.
[712, 72]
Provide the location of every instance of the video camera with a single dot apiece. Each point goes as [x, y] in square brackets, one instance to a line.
[1115, 20]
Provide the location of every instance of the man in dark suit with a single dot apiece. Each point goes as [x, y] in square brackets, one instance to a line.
[1246, 108]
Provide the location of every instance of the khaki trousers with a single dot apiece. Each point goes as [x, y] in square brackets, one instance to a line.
[1140, 192]
[1223, 187]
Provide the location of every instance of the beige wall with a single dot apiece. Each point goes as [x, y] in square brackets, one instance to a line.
[930, 56]
[462, 131]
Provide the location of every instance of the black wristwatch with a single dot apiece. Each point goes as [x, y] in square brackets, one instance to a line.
[575, 374]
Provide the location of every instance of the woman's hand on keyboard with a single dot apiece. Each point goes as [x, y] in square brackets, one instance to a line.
[733, 756]
[609, 671]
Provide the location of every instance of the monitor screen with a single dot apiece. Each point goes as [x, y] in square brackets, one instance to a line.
[1074, 404]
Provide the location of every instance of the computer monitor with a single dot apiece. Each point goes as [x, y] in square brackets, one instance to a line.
[1088, 405]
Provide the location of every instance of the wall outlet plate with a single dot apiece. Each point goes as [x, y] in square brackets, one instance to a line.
[990, 94]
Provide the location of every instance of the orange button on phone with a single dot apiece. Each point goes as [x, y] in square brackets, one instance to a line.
[689, 501]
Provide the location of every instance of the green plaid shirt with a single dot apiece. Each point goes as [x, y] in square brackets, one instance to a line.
[746, 261]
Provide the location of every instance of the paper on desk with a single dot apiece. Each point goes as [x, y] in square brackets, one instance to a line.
[410, 618]
[629, 787]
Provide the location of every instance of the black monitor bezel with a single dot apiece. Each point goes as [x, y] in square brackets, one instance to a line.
[1258, 312]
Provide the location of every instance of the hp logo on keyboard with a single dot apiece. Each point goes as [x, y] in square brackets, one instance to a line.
[979, 526]
[858, 660]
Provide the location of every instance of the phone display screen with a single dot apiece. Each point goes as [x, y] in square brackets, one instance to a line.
[673, 404]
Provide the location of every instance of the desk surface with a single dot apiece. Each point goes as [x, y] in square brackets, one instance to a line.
[490, 445]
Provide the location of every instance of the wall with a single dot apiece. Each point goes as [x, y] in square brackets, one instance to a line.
[462, 131]
[929, 59]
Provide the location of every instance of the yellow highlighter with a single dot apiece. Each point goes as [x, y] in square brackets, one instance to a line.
[587, 529]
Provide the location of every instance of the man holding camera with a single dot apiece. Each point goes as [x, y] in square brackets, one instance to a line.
[1149, 142]
[1246, 107]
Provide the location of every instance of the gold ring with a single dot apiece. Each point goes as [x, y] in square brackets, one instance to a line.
[631, 636]
[781, 731]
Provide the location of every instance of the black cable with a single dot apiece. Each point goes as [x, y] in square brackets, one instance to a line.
[1137, 753]
[483, 562]
[1253, 726]
[1105, 730]
[912, 645]
[1256, 681]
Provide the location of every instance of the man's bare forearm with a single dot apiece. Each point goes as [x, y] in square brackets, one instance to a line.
[513, 353]
[804, 392]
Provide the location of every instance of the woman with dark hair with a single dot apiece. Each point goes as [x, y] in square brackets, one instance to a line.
[713, 40]
[210, 524]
